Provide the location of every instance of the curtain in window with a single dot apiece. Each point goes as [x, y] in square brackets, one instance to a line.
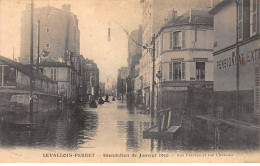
[200, 70]
[177, 71]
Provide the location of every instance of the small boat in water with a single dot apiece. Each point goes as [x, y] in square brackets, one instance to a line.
[107, 98]
[100, 101]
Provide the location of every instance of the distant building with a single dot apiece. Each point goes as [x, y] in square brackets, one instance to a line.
[65, 76]
[121, 81]
[59, 47]
[93, 79]
[102, 88]
[59, 33]
[134, 54]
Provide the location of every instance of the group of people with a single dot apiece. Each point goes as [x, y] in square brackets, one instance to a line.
[93, 103]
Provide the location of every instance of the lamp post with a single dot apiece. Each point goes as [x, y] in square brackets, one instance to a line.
[159, 76]
[31, 61]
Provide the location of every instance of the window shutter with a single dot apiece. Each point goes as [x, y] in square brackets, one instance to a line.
[170, 71]
[183, 39]
[183, 70]
[253, 17]
[256, 91]
[171, 39]
[240, 20]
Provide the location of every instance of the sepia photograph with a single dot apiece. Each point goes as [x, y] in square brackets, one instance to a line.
[129, 81]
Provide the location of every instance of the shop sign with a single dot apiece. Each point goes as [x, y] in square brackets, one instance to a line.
[244, 59]
[177, 88]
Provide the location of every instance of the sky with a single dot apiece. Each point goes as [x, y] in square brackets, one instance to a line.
[94, 19]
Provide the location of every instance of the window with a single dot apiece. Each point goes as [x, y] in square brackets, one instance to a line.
[47, 30]
[247, 19]
[200, 70]
[161, 50]
[47, 45]
[177, 40]
[53, 74]
[183, 39]
[171, 40]
[170, 71]
[7, 76]
[177, 71]
[253, 17]
[240, 20]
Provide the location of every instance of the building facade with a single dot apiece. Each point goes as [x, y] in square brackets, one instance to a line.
[121, 81]
[155, 14]
[92, 76]
[58, 33]
[134, 54]
[15, 88]
[59, 52]
[236, 81]
[183, 54]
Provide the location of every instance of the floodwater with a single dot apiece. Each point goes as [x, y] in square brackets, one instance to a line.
[111, 126]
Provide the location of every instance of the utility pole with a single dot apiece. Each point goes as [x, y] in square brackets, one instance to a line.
[31, 61]
[153, 55]
[237, 62]
[122, 90]
[38, 47]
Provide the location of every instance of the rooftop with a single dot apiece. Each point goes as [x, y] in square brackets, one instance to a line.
[219, 6]
[24, 69]
[192, 17]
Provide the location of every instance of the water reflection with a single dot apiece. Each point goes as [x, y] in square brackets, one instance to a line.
[112, 126]
[46, 129]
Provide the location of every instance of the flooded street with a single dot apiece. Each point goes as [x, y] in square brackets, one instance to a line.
[110, 126]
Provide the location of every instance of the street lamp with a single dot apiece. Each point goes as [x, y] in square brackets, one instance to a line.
[159, 76]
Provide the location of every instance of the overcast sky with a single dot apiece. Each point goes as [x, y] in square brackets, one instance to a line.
[94, 17]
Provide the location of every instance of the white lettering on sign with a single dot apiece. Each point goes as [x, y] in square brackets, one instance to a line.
[175, 88]
[244, 58]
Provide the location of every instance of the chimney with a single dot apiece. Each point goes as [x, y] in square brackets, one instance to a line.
[172, 15]
[66, 7]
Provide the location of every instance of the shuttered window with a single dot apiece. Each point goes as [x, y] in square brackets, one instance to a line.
[170, 71]
[256, 91]
[253, 17]
[240, 20]
[171, 40]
